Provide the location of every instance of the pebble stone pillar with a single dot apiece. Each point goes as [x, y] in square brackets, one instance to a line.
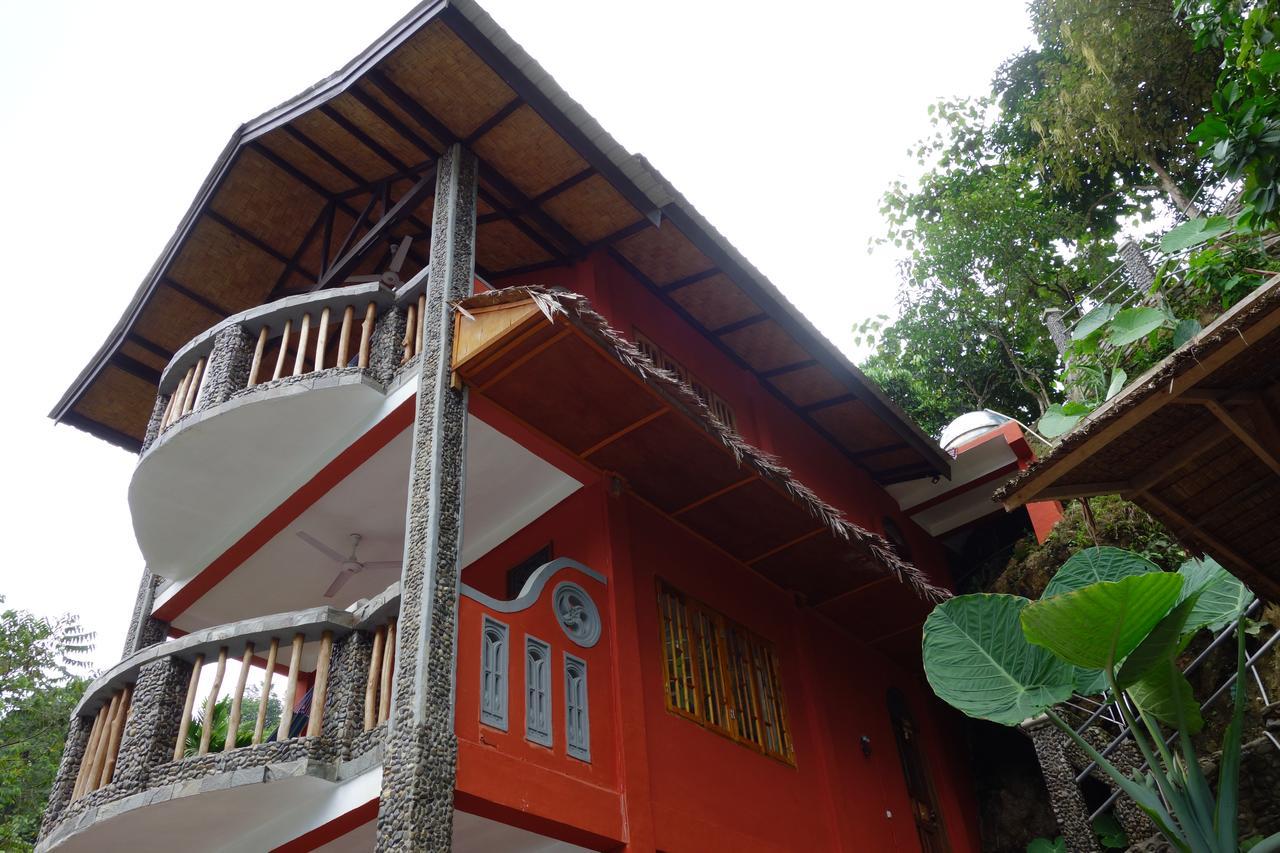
[344, 703]
[144, 629]
[68, 769]
[153, 425]
[1138, 267]
[155, 716]
[386, 347]
[1060, 778]
[420, 761]
[228, 367]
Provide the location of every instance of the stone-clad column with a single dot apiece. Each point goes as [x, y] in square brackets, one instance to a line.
[386, 347]
[227, 370]
[344, 703]
[1060, 778]
[68, 769]
[153, 425]
[144, 629]
[416, 809]
[154, 718]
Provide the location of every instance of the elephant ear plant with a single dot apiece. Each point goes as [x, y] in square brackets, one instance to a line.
[1109, 620]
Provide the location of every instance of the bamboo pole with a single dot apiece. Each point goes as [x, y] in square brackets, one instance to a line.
[86, 760]
[258, 350]
[86, 767]
[304, 337]
[322, 338]
[197, 382]
[409, 333]
[284, 350]
[181, 393]
[100, 757]
[291, 689]
[388, 660]
[422, 312]
[375, 675]
[237, 698]
[168, 410]
[206, 731]
[180, 748]
[344, 336]
[117, 731]
[366, 334]
[266, 691]
[321, 685]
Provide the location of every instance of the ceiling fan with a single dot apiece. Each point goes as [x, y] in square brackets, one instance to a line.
[350, 565]
[390, 278]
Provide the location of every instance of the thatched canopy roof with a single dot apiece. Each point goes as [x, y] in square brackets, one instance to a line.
[554, 188]
[1194, 441]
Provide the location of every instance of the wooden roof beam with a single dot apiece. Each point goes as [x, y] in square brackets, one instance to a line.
[1268, 455]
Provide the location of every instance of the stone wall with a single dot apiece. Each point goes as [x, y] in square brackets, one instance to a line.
[227, 370]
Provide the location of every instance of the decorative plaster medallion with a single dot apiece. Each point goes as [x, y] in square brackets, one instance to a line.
[576, 613]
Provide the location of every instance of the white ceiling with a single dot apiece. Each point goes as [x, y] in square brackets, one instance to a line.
[471, 834]
[966, 504]
[506, 488]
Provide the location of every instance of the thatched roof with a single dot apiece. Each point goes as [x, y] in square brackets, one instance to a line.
[852, 546]
[1194, 441]
[554, 188]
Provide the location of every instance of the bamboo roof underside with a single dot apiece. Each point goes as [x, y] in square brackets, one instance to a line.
[1195, 441]
[554, 188]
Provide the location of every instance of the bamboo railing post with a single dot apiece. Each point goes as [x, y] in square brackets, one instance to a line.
[193, 392]
[291, 689]
[206, 731]
[322, 338]
[181, 394]
[284, 350]
[265, 698]
[388, 661]
[422, 312]
[180, 748]
[321, 686]
[168, 410]
[100, 757]
[258, 350]
[86, 761]
[237, 698]
[344, 336]
[409, 333]
[366, 334]
[117, 731]
[375, 675]
[304, 337]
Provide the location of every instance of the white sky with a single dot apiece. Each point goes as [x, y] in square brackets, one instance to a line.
[784, 130]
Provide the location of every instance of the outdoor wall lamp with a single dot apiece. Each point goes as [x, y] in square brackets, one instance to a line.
[866, 746]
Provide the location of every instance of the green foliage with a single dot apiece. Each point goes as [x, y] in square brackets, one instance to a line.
[39, 688]
[1045, 845]
[222, 719]
[1141, 618]
[1109, 831]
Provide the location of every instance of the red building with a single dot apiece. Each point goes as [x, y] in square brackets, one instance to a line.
[547, 520]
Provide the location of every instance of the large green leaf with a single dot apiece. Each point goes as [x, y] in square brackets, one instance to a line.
[1133, 324]
[1058, 420]
[1222, 597]
[1091, 565]
[1161, 645]
[977, 659]
[1193, 233]
[1094, 320]
[1165, 694]
[1100, 624]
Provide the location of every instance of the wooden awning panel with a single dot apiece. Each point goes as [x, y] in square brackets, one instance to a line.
[558, 369]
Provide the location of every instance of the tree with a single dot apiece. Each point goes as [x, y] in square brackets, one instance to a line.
[39, 688]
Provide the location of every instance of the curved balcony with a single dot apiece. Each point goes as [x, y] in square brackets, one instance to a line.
[253, 407]
[141, 734]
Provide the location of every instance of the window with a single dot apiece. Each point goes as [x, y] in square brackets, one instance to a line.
[577, 721]
[719, 408]
[537, 691]
[521, 572]
[493, 674]
[721, 675]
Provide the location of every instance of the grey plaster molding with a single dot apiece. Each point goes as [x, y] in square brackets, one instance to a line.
[408, 292]
[533, 587]
[365, 614]
[272, 314]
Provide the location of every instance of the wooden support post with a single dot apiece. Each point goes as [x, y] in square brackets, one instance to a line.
[304, 337]
[180, 748]
[263, 700]
[100, 756]
[181, 394]
[197, 382]
[388, 658]
[86, 761]
[291, 689]
[375, 676]
[366, 333]
[409, 333]
[206, 731]
[344, 337]
[322, 338]
[284, 350]
[168, 411]
[117, 731]
[256, 367]
[321, 685]
[422, 311]
[237, 699]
